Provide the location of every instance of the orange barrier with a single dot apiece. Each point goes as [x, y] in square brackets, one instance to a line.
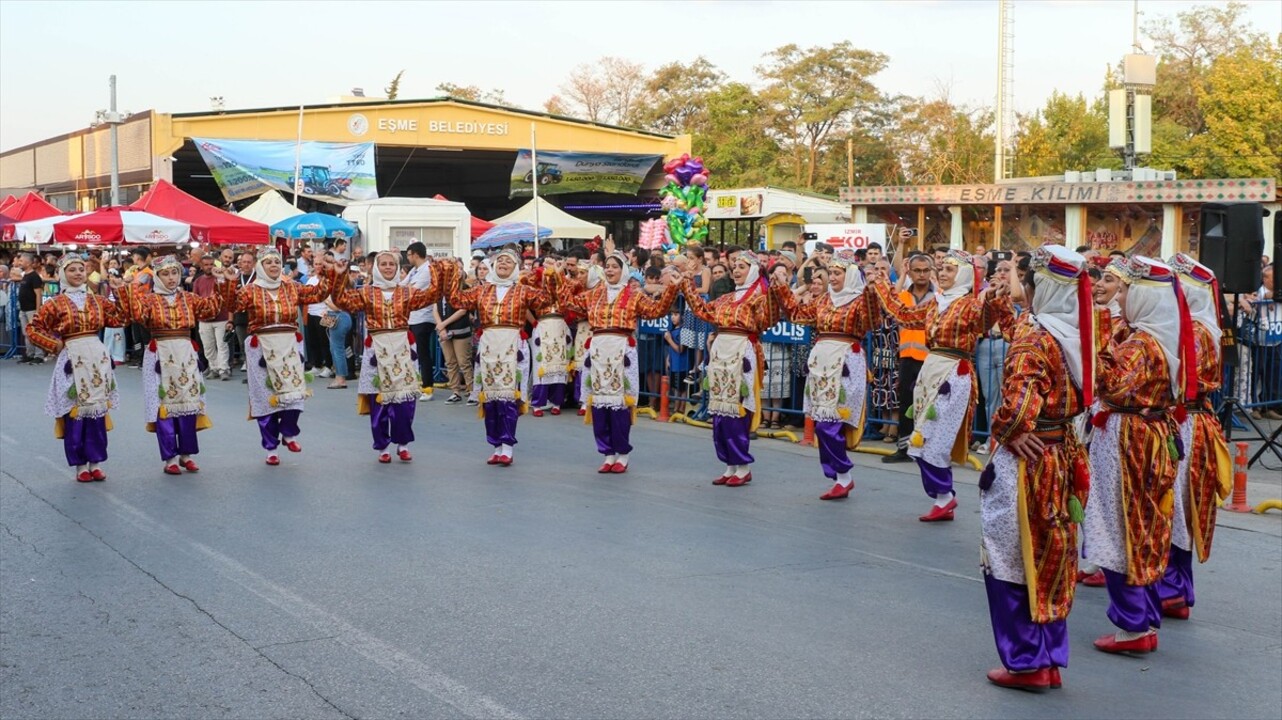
[663, 399]
[1237, 503]
[808, 434]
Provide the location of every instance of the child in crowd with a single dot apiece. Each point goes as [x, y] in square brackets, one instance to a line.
[678, 359]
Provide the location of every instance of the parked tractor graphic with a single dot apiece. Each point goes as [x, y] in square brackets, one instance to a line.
[317, 180]
[549, 173]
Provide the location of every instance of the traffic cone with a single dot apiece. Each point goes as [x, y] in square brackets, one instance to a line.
[663, 399]
[808, 434]
[1237, 502]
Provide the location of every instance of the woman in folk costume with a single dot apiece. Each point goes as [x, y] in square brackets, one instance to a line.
[838, 379]
[83, 388]
[274, 347]
[1135, 454]
[733, 376]
[172, 381]
[582, 334]
[945, 395]
[389, 386]
[553, 349]
[613, 308]
[502, 354]
[1033, 491]
[1106, 296]
[1205, 474]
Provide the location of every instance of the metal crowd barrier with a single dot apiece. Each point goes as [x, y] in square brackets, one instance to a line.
[10, 323]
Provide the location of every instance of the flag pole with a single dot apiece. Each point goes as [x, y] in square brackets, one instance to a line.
[534, 187]
[298, 156]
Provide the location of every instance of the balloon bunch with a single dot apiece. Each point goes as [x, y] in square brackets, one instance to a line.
[683, 199]
[654, 235]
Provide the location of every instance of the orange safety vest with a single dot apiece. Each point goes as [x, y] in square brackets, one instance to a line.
[912, 343]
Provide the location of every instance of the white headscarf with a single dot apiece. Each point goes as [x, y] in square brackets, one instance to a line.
[158, 287]
[1151, 307]
[612, 290]
[1057, 306]
[853, 286]
[595, 276]
[260, 275]
[492, 277]
[68, 288]
[381, 282]
[1198, 282]
[965, 282]
[754, 274]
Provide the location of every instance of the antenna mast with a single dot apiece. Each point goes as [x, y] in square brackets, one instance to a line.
[1003, 155]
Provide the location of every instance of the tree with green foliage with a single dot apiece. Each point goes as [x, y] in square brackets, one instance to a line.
[676, 94]
[1066, 134]
[393, 88]
[472, 93]
[1240, 101]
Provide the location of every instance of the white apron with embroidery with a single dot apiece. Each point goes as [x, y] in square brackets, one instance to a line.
[940, 433]
[275, 366]
[837, 383]
[82, 380]
[172, 380]
[612, 379]
[389, 369]
[501, 365]
[552, 349]
[732, 390]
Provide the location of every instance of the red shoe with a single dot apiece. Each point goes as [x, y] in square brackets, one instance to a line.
[838, 492]
[722, 480]
[494, 459]
[1095, 579]
[404, 455]
[1111, 644]
[940, 514]
[385, 458]
[582, 412]
[505, 460]
[555, 411]
[173, 469]
[190, 465]
[273, 460]
[605, 468]
[1035, 681]
[1056, 683]
[618, 468]
[97, 475]
[84, 476]
[1175, 608]
[736, 481]
[293, 446]
[537, 412]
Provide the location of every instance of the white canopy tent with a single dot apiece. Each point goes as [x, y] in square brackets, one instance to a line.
[563, 224]
[269, 209]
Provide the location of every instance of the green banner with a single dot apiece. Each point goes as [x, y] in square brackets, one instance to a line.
[559, 173]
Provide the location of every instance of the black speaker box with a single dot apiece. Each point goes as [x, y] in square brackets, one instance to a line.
[1232, 243]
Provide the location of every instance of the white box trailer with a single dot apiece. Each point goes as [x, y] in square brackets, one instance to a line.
[445, 227]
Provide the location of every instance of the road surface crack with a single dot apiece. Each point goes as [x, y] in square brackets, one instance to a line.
[177, 594]
[21, 539]
[295, 642]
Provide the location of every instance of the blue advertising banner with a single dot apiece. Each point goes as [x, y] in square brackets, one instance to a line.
[337, 173]
[572, 172]
[787, 333]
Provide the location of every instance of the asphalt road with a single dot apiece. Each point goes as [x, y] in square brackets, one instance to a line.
[333, 586]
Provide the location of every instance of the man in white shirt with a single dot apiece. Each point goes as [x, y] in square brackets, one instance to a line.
[422, 322]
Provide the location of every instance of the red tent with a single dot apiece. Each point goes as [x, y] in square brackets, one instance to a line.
[30, 207]
[479, 226]
[9, 200]
[208, 223]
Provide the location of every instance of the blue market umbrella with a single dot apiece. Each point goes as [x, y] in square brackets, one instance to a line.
[314, 226]
[508, 234]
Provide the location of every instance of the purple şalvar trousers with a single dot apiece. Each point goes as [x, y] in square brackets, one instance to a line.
[731, 438]
[273, 427]
[1021, 643]
[1134, 608]
[84, 440]
[500, 422]
[935, 480]
[391, 423]
[177, 436]
[547, 395]
[1178, 580]
[831, 438]
[612, 428]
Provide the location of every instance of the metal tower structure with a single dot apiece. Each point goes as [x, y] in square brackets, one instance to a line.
[1003, 141]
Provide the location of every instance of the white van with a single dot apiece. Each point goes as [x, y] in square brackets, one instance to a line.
[445, 227]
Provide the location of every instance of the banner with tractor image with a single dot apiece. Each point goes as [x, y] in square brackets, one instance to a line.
[338, 173]
[559, 173]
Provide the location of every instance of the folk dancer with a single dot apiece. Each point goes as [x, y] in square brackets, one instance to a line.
[733, 377]
[83, 389]
[1134, 452]
[1034, 489]
[945, 395]
[837, 383]
[612, 309]
[390, 385]
[503, 354]
[553, 350]
[1205, 474]
[172, 377]
[274, 348]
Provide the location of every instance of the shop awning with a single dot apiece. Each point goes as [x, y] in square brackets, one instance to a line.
[208, 223]
[30, 207]
[563, 224]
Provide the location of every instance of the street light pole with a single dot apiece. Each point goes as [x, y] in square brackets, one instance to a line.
[113, 119]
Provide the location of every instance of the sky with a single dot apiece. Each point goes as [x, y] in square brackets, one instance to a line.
[55, 57]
